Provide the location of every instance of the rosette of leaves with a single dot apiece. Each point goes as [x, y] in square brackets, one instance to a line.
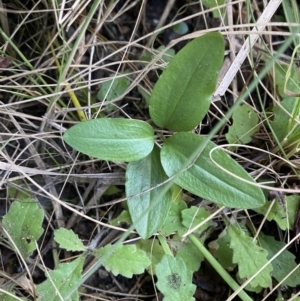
[179, 101]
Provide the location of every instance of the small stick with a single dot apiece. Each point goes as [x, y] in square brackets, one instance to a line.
[244, 51]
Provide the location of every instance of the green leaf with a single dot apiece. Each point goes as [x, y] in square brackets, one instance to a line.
[153, 250]
[112, 89]
[182, 95]
[142, 175]
[168, 55]
[284, 263]
[124, 217]
[114, 139]
[214, 3]
[206, 180]
[17, 191]
[177, 194]
[285, 124]
[64, 277]
[243, 254]
[174, 280]
[280, 124]
[111, 190]
[173, 222]
[194, 216]
[190, 254]
[68, 240]
[257, 289]
[291, 82]
[222, 252]
[285, 215]
[23, 222]
[244, 125]
[145, 94]
[125, 260]
[181, 28]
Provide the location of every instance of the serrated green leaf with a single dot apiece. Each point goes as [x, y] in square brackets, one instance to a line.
[283, 215]
[68, 240]
[23, 223]
[206, 180]
[182, 95]
[257, 289]
[64, 277]
[190, 255]
[244, 125]
[142, 175]
[284, 263]
[173, 221]
[154, 251]
[174, 280]
[249, 257]
[222, 252]
[114, 139]
[194, 216]
[125, 260]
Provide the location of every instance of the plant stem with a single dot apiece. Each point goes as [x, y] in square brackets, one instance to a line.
[164, 245]
[220, 270]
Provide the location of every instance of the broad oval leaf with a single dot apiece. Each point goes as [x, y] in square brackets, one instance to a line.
[142, 175]
[204, 178]
[181, 97]
[113, 139]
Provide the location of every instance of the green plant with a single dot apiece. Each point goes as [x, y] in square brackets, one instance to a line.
[179, 101]
[155, 177]
[285, 124]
